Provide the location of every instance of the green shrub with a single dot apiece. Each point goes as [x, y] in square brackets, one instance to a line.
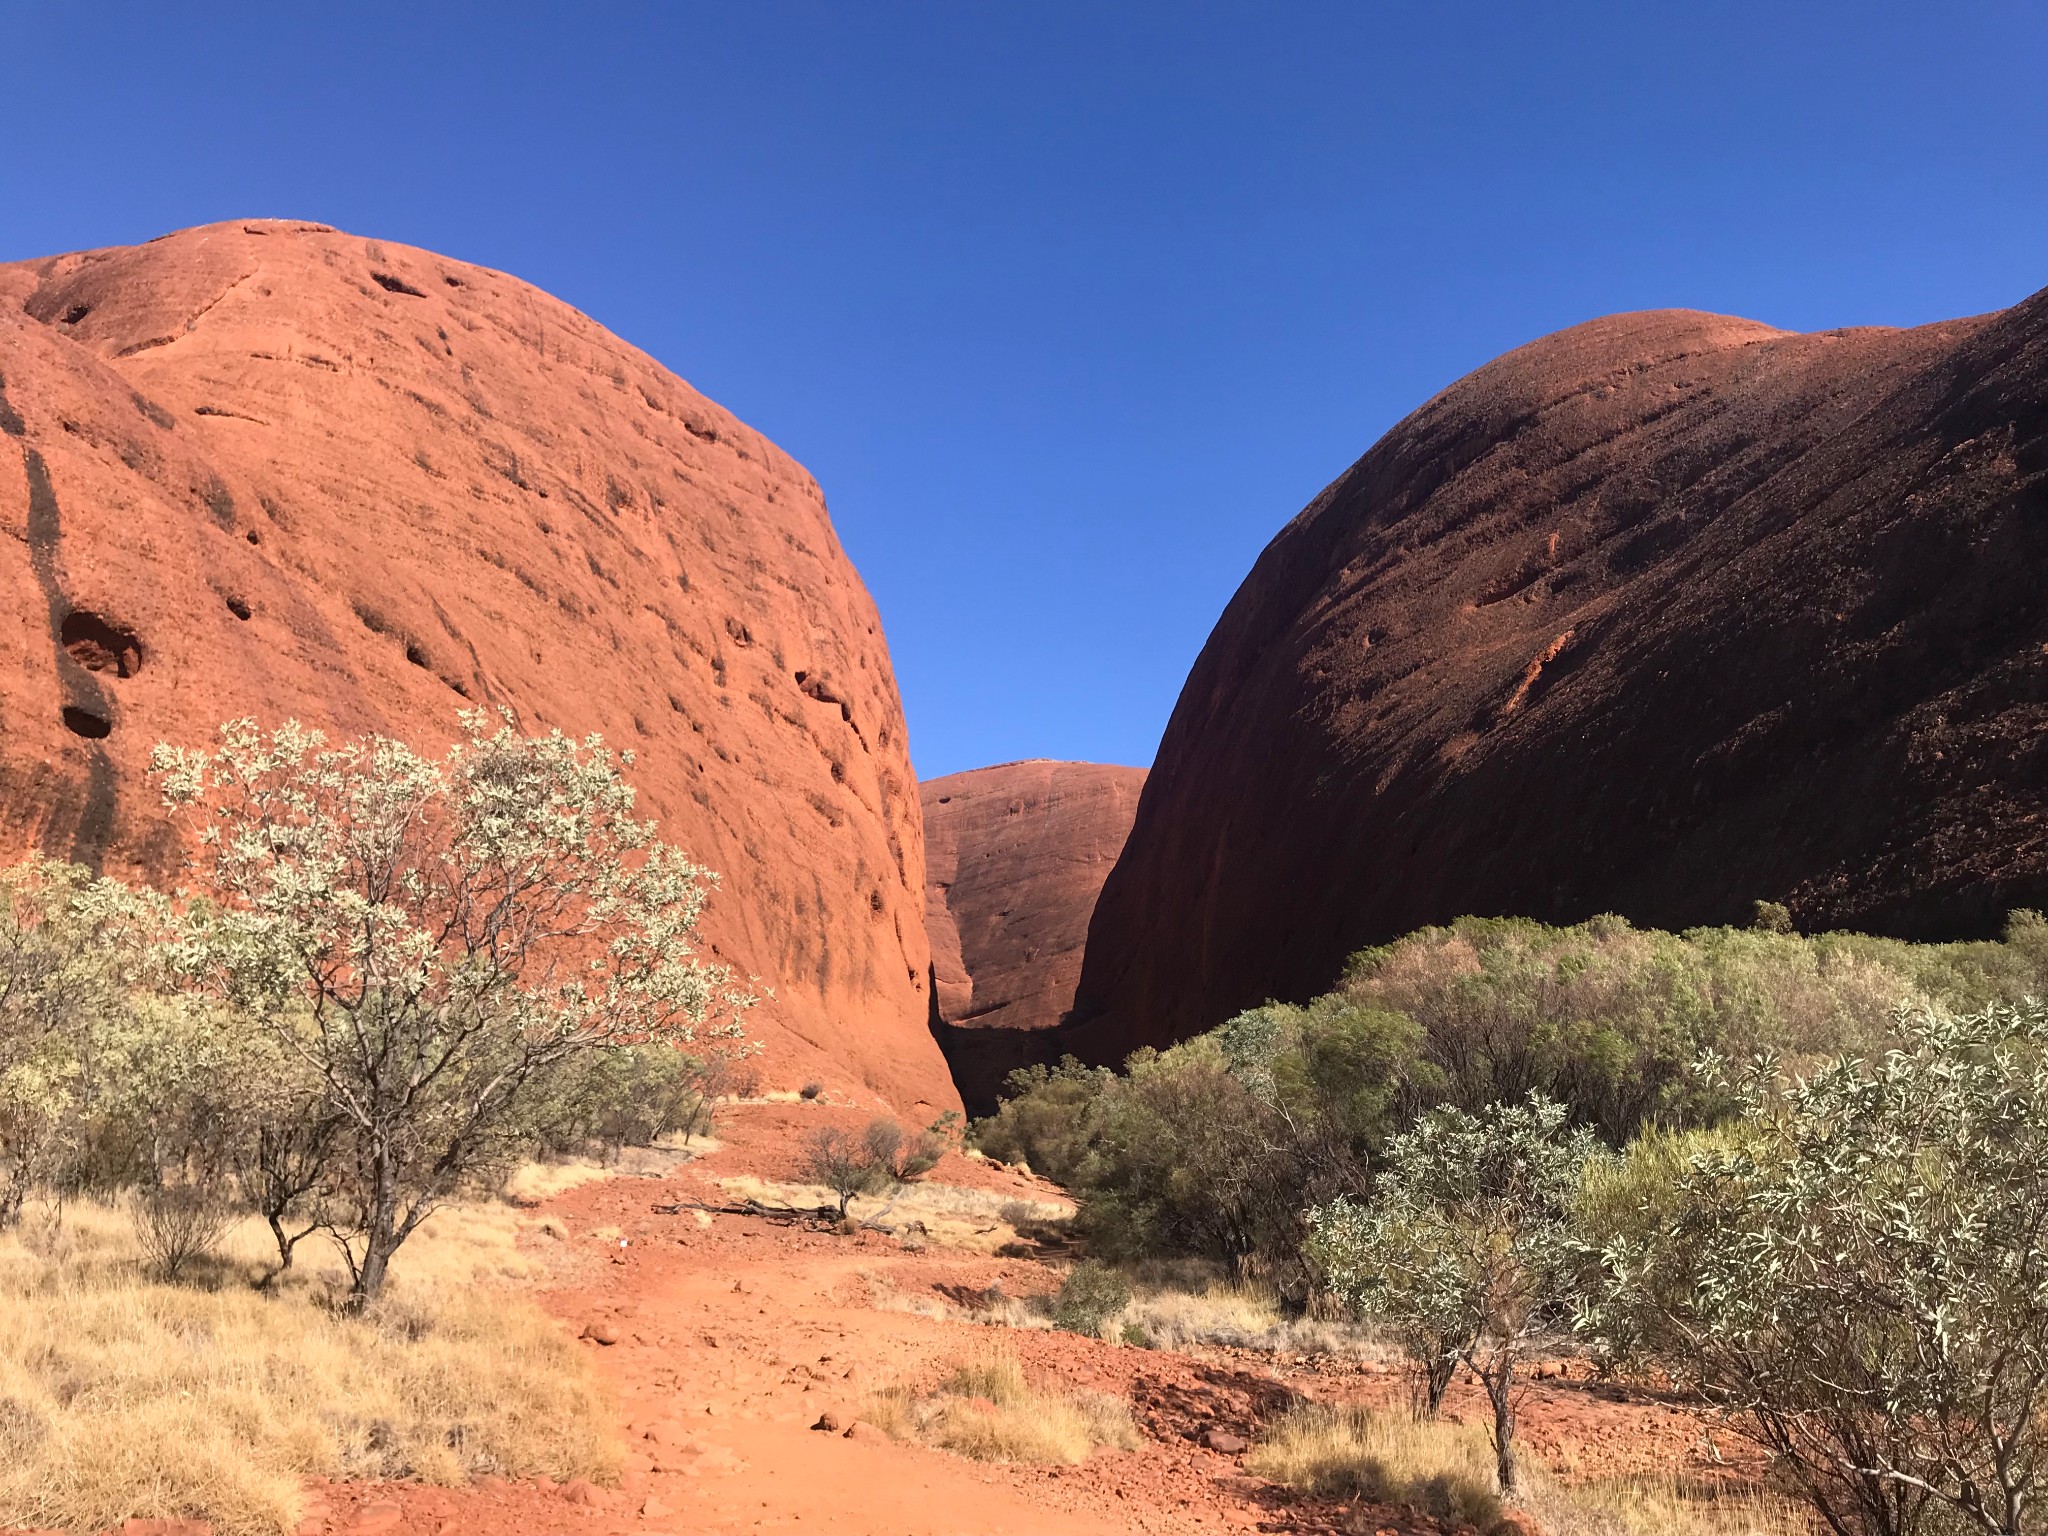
[1090, 1296]
[1862, 1272]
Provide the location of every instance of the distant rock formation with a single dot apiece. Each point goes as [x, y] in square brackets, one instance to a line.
[1661, 615]
[276, 470]
[1014, 857]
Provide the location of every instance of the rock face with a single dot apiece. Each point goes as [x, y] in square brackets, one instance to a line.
[1661, 615]
[276, 470]
[1014, 857]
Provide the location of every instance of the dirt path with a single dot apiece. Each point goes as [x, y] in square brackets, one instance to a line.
[730, 1337]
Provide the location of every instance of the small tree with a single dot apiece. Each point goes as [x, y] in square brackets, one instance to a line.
[1465, 1248]
[842, 1162]
[1862, 1273]
[73, 953]
[878, 1160]
[434, 940]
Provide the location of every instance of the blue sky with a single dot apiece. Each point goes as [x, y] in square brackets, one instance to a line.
[1071, 307]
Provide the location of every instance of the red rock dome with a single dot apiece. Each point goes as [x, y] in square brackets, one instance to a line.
[1661, 615]
[1014, 857]
[276, 470]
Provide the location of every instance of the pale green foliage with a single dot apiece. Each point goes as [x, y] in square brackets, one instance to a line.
[434, 940]
[73, 1020]
[1863, 1272]
[1465, 1248]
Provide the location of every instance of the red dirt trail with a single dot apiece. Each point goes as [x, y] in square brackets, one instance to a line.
[732, 1340]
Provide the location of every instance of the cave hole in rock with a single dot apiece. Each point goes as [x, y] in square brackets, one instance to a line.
[85, 722]
[253, 536]
[414, 654]
[239, 608]
[76, 313]
[99, 646]
[391, 284]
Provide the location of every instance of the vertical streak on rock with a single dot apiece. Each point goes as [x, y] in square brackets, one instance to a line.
[81, 690]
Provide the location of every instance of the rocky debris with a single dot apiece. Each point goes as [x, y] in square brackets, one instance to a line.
[828, 1422]
[1662, 615]
[277, 470]
[1225, 1442]
[601, 1333]
[1014, 858]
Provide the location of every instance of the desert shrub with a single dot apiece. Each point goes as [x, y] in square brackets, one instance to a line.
[1348, 1451]
[1465, 1248]
[438, 941]
[1215, 1147]
[1042, 1119]
[1090, 1296]
[75, 957]
[880, 1159]
[180, 1221]
[1863, 1274]
[810, 1091]
[632, 1095]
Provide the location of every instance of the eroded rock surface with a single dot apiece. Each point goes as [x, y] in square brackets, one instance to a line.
[1014, 858]
[277, 470]
[1661, 615]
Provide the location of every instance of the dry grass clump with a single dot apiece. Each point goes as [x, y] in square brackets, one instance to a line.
[945, 1215]
[1446, 1470]
[990, 1411]
[1666, 1506]
[1441, 1469]
[121, 1396]
[1182, 1312]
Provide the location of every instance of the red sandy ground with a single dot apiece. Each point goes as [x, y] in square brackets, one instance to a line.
[733, 1339]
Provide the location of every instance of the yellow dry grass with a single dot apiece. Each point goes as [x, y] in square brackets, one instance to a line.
[1661, 1506]
[989, 1410]
[1442, 1469]
[1447, 1470]
[121, 1396]
[945, 1215]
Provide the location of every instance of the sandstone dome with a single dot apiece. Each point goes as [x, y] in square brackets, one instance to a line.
[272, 469]
[1662, 615]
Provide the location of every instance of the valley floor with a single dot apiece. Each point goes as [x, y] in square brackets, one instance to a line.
[731, 1336]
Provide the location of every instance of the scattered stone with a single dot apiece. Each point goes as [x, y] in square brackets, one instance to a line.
[865, 1434]
[601, 1333]
[828, 1421]
[581, 1490]
[1225, 1442]
[654, 1509]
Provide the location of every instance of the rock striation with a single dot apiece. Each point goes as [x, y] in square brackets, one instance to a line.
[1662, 615]
[277, 470]
[1014, 857]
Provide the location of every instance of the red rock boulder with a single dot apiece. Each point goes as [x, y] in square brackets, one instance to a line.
[276, 470]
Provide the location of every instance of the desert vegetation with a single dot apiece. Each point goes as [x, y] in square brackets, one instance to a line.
[405, 978]
[989, 1409]
[1799, 1179]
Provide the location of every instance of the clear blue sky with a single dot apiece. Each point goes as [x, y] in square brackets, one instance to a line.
[1071, 306]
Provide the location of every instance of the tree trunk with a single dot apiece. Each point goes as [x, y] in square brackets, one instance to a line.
[1499, 1391]
[380, 1233]
[1436, 1381]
